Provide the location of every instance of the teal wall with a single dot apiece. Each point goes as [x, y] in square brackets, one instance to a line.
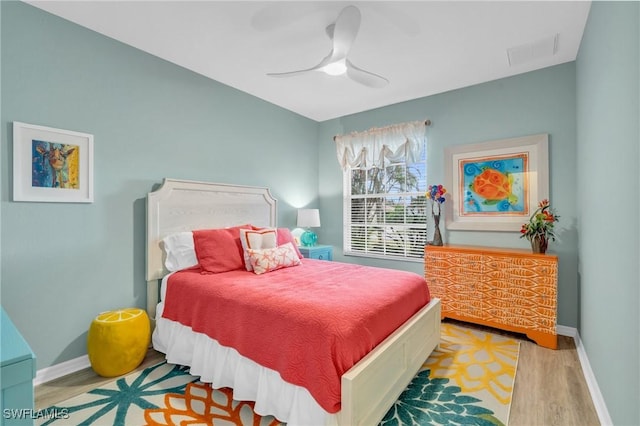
[608, 93]
[61, 264]
[64, 263]
[537, 102]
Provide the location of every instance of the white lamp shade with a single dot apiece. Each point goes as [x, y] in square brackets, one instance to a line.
[309, 218]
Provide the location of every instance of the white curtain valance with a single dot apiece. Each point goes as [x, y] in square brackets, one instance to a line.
[373, 147]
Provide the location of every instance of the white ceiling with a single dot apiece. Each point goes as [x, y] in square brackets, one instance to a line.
[421, 47]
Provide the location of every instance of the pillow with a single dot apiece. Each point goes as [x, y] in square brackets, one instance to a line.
[180, 251]
[285, 236]
[219, 250]
[257, 239]
[271, 259]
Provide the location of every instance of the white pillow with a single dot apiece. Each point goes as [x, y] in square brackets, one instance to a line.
[257, 239]
[180, 251]
[268, 260]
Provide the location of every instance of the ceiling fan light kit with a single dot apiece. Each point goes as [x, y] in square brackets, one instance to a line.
[335, 68]
[342, 34]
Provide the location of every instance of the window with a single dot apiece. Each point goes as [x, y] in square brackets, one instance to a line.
[385, 209]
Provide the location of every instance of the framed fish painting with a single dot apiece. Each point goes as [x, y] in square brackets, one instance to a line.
[496, 185]
[52, 165]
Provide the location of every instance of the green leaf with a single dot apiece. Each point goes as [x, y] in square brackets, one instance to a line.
[466, 399]
[446, 397]
[477, 410]
[439, 408]
[458, 409]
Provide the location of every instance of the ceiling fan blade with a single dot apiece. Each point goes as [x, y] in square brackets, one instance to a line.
[345, 31]
[289, 73]
[322, 63]
[365, 77]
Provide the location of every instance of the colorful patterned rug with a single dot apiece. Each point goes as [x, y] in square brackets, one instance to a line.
[467, 380]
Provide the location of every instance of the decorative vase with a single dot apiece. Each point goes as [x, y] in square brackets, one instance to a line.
[539, 244]
[437, 237]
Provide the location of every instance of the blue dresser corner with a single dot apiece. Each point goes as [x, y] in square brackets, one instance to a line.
[17, 371]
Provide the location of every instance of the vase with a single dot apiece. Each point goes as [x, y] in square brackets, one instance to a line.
[539, 244]
[437, 237]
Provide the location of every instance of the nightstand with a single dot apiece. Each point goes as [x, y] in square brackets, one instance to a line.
[317, 252]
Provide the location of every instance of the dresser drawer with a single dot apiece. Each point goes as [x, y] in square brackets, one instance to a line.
[317, 252]
[19, 372]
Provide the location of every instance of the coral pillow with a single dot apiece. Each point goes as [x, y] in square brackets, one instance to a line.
[219, 250]
[257, 239]
[274, 258]
[285, 236]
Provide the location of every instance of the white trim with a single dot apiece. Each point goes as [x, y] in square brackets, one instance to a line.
[564, 330]
[47, 374]
[592, 383]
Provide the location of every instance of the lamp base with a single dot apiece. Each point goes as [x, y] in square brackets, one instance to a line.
[308, 238]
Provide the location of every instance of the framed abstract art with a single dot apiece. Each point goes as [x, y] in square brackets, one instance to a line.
[496, 185]
[52, 165]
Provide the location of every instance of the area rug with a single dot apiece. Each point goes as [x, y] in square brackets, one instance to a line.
[467, 380]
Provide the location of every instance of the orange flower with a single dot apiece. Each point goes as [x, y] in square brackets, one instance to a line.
[201, 404]
[540, 223]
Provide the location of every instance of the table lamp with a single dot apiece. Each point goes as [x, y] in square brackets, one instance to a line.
[308, 218]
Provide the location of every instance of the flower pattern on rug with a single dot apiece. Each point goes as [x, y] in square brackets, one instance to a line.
[467, 380]
[432, 401]
[123, 399]
[476, 361]
[201, 404]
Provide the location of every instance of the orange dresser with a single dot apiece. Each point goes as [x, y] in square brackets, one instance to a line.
[509, 289]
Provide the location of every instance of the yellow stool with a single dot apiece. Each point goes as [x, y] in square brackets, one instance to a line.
[118, 341]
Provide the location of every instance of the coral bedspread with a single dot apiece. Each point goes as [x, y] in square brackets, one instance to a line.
[311, 322]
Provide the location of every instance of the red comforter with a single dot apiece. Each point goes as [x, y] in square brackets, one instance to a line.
[311, 322]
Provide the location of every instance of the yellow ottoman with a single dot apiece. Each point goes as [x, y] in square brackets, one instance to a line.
[118, 341]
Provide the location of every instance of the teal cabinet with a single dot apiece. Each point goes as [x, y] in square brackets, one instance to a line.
[317, 252]
[17, 371]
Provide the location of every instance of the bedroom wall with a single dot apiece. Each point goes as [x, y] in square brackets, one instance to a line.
[608, 153]
[536, 102]
[62, 264]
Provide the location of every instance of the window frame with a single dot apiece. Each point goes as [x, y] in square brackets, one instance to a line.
[408, 196]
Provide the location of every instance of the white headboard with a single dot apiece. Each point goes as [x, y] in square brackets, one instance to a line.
[183, 205]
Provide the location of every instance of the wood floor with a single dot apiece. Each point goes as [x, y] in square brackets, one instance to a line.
[550, 389]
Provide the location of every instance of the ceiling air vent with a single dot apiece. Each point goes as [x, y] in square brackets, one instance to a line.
[530, 52]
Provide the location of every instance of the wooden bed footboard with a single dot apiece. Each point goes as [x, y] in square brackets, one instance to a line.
[372, 386]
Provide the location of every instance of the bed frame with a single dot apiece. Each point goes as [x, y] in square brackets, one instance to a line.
[371, 386]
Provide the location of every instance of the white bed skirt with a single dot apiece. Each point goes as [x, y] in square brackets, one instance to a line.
[225, 367]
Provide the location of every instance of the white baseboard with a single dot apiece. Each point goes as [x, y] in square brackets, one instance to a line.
[592, 383]
[55, 371]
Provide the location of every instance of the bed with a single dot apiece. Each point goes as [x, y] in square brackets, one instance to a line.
[366, 390]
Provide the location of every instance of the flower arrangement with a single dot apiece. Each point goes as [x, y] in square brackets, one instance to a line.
[539, 229]
[435, 193]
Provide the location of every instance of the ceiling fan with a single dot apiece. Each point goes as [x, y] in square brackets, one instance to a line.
[342, 33]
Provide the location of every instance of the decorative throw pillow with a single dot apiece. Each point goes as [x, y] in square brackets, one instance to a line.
[268, 260]
[219, 250]
[179, 251]
[285, 236]
[257, 239]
